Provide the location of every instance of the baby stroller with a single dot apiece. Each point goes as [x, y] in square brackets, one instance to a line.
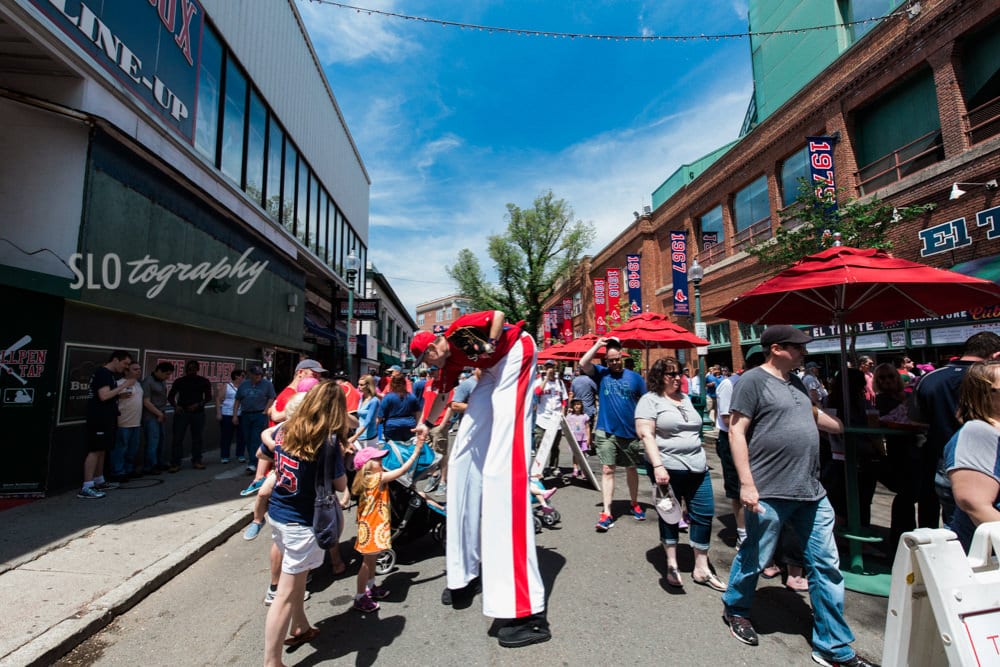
[413, 513]
[542, 518]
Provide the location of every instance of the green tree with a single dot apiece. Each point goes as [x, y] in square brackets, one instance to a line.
[810, 224]
[540, 245]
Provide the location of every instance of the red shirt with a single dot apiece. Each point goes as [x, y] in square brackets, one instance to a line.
[430, 395]
[280, 402]
[457, 360]
[352, 394]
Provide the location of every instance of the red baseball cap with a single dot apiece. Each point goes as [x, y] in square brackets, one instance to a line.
[421, 341]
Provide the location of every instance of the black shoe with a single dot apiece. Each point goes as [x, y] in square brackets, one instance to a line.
[525, 631]
[462, 596]
[741, 628]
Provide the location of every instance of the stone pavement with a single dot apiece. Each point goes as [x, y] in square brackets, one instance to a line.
[69, 566]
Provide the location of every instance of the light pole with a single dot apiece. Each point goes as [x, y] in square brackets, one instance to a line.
[696, 273]
[351, 268]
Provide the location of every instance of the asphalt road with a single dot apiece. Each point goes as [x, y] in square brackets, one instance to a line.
[608, 604]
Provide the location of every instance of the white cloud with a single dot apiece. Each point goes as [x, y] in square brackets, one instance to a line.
[343, 36]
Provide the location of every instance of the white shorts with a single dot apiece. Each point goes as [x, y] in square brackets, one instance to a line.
[299, 550]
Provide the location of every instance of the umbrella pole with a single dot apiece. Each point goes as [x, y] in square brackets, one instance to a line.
[856, 562]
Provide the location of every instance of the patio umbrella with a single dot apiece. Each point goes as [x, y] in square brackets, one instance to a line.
[579, 346]
[652, 330]
[557, 353]
[844, 285]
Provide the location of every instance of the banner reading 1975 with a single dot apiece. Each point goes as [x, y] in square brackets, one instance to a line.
[821, 169]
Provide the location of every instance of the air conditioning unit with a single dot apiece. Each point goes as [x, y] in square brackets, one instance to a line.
[646, 210]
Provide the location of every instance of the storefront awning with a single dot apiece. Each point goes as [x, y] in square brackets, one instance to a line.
[323, 332]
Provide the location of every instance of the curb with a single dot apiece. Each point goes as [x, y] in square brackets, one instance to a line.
[60, 639]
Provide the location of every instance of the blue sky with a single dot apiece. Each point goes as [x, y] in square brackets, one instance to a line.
[453, 124]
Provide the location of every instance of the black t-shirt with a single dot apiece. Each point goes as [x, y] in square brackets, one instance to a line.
[102, 413]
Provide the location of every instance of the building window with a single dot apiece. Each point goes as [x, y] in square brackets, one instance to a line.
[751, 213]
[234, 121]
[898, 134]
[288, 189]
[256, 131]
[981, 82]
[420, 320]
[712, 235]
[718, 333]
[302, 202]
[750, 332]
[275, 144]
[795, 167]
[209, 84]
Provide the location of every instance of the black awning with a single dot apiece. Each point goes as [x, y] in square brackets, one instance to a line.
[323, 332]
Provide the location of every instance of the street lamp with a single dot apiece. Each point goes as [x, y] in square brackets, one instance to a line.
[351, 265]
[696, 273]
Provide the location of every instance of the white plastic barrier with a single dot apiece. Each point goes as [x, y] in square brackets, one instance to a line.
[944, 606]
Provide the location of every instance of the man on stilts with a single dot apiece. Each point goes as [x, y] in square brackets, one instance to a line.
[488, 471]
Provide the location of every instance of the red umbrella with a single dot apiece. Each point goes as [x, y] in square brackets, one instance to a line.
[579, 346]
[556, 353]
[843, 285]
[652, 330]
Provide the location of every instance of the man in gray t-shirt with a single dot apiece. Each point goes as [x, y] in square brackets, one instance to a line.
[775, 445]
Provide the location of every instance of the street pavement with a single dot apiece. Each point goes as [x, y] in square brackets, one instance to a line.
[163, 561]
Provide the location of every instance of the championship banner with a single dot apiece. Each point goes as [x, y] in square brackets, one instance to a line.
[546, 329]
[821, 170]
[634, 280]
[555, 322]
[614, 277]
[709, 240]
[678, 262]
[567, 330]
[600, 302]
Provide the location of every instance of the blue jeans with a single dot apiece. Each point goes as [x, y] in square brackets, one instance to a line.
[251, 426]
[226, 431]
[813, 522]
[154, 436]
[695, 488]
[182, 420]
[126, 447]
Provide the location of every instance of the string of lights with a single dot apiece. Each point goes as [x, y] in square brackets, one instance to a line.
[617, 38]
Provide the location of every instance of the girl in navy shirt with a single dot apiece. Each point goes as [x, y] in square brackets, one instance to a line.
[321, 421]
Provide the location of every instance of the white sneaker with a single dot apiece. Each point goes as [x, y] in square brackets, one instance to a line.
[90, 493]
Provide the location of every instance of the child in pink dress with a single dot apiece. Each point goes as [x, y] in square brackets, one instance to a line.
[579, 424]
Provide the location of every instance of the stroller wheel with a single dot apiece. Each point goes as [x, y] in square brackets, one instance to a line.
[385, 562]
[550, 519]
[438, 532]
[538, 525]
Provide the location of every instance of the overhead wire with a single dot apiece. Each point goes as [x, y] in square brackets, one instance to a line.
[596, 36]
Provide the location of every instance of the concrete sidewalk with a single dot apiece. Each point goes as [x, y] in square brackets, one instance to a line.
[68, 566]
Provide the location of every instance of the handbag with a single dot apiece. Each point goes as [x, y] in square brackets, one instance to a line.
[666, 503]
[328, 516]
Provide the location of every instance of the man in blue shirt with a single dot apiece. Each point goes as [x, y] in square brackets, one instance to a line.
[253, 399]
[615, 439]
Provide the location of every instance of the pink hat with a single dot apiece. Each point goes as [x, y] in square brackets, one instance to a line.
[366, 454]
[306, 384]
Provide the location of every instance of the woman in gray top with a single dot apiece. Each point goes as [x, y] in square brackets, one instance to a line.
[670, 430]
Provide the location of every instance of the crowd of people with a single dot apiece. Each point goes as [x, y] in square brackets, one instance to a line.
[482, 402]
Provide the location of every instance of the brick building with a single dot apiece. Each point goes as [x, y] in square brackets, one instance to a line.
[913, 102]
[441, 312]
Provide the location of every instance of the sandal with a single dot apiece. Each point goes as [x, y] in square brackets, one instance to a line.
[711, 581]
[674, 578]
[770, 572]
[302, 637]
[797, 583]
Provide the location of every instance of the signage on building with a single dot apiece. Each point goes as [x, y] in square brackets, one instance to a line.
[709, 240]
[955, 234]
[567, 328]
[678, 263]
[821, 169]
[151, 47]
[364, 309]
[633, 279]
[78, 365]
[600, 303]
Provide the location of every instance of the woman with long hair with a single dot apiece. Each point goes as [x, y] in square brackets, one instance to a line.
[366, 434]
[904, 459]
[972, 456]
[670, 430]
[319, 423]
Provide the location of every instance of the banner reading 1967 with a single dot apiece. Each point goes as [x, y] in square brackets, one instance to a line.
[678, 262]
